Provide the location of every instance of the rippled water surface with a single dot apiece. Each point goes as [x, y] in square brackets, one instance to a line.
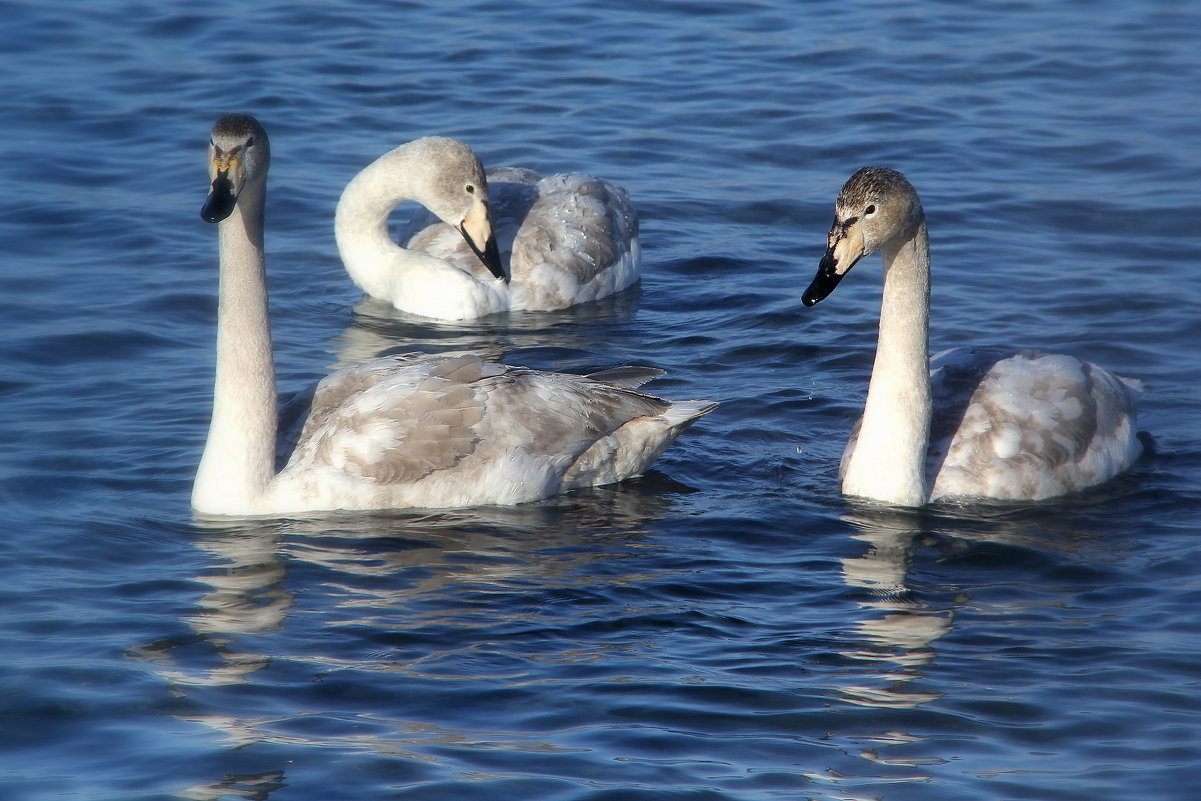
[726, 627]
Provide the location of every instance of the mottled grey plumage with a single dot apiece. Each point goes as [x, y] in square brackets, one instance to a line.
[572, 225]
[402, 418]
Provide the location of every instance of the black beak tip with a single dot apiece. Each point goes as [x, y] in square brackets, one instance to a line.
[489, 256]
[823, 283]
[220, 202]
[492, 260]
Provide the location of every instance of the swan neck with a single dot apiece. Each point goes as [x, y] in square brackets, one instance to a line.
[888, 463]
[239, 457]
[370, 255]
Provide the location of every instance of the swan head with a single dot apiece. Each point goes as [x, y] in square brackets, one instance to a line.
[446, 176]
[876, 207]
[239, 155]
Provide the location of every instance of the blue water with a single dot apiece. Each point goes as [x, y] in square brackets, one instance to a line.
[728, 626]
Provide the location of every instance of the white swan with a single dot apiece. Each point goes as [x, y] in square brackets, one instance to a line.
[986, 422]
[570, 238]
[395, 432]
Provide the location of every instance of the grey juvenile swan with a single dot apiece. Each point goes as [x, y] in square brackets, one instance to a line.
[398, 431]
[985, 423]
[569, 238]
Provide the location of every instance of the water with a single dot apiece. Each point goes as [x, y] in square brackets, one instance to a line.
[727, 627]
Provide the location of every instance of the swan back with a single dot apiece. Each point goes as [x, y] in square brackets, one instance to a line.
[1026, 424]
[567, 238]
[406, 431]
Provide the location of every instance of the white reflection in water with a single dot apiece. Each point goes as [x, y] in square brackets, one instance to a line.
[251, 786]
[429, 561]
[900, 636]
[379, 328]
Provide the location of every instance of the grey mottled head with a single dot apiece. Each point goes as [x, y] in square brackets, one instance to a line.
[239, 155]
[876, 206]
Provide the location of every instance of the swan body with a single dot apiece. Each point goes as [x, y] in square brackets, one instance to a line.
[401, 431]
[569, 238]
[973, 423]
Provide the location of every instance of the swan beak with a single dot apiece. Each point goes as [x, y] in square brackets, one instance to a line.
[476, 228]
[844, 250]
[223, 195]
[220, 202]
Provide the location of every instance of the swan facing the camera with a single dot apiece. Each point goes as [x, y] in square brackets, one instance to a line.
[505, 240]
[984, 423]
[442, 431]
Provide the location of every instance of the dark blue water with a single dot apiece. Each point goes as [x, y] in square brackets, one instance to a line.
[727, 627]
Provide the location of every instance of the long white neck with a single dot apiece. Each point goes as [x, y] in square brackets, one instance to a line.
[239, 457]
[888, 462]
[378, 265]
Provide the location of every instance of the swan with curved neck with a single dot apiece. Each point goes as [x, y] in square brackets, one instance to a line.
[398, 431]
[987, 423]
[569, 238]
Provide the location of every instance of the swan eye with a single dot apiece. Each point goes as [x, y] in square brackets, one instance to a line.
[870, 210]
[470, 189]
[250, 142]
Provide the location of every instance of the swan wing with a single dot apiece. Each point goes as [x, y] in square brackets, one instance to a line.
[450, 431]
[394, 419]
[579, 226]
[1027, 424]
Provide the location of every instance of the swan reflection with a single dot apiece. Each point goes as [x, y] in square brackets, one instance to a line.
[250, 786]
[898, 638]
[384, 577]
[893, 648]
[378, 327]
[246, 598]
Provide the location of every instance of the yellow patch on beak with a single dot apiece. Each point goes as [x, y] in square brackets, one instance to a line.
[477, 225]
[227, 164]
[847, 250]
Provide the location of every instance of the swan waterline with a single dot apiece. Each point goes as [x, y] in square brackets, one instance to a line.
[569, 238]
[979, 423]
[400, 431]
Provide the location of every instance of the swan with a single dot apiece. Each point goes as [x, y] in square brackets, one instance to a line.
[571, 238]
[400, 431]
[985, 422]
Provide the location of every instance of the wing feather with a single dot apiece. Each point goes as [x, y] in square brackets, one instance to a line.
[1026, 424]
[401, 419]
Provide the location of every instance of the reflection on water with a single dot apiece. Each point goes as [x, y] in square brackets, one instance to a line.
[252, 787]
[899, 637]
[897, 632]
[379, 328]
[247, 598]
[386, 575]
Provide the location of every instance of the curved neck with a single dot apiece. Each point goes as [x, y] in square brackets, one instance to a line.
[239, 456]
[376, 263]
[361, 230]
[888, 463]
